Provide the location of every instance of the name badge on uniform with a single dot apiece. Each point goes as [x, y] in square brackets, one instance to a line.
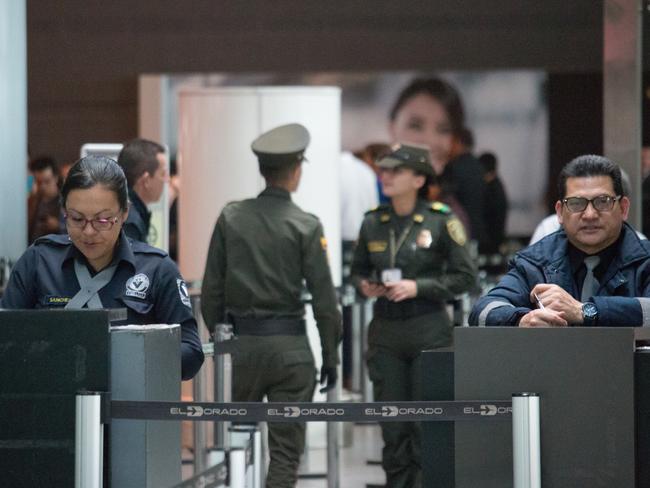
[390, 275]
[377, 246]
[424, 239]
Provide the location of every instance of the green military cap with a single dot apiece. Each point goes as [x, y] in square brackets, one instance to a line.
[282, 145]
[411, 156]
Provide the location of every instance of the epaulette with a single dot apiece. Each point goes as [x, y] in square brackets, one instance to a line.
[378, 208]
[143, 247]
[440, 208]
[59, 239]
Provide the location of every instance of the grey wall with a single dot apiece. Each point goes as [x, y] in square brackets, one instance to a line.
[85, 56]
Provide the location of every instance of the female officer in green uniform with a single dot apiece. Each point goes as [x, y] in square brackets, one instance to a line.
[411, 256]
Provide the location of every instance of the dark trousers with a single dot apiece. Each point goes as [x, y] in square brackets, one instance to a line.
[394, 367]
[282, 369]
[397, 378]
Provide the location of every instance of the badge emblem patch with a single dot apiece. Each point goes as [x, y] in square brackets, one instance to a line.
[424, 239]
[184, 294]
[456, 231]
[137, 286]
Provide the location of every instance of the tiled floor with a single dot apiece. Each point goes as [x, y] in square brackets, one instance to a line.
[355, 470]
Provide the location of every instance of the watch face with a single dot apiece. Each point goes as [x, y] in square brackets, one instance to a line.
[589, 310]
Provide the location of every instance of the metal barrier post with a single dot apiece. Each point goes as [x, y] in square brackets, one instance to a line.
[357, 346]
[200, 394]
[88, 441]
[238, 468]
[333, 470]
[366, 391]
[526, 459]
[222, 382]
[258, 464]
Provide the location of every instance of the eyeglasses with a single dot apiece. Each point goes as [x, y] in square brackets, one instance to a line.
[601, 203]
[77, 222]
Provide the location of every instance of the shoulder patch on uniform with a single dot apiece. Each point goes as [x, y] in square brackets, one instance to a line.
[440, 207]
[456, 231]
[384, 218]
[184, 294]
[59, 239]
[418, 218]
[323, 243]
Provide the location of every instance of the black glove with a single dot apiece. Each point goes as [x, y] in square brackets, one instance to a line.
[328, 378]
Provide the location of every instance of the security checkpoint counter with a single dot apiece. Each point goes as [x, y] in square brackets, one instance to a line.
[145, 365]
[48, 356]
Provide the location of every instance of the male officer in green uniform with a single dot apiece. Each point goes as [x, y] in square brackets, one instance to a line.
[260, 252]
[411, 255]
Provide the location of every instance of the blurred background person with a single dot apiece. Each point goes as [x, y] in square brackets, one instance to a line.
[44, 214]
[370, 154]
[358, 194]
[145, 166]
[496, 204]
[430, 111]
[174, 186]
[411, 256]
[463, 178]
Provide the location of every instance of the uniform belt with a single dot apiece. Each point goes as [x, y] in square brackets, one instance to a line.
[405, 310]
[268, 327]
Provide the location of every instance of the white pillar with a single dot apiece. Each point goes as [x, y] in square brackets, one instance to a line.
[13, 127]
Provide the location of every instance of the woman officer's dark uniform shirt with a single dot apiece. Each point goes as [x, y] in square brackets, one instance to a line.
[432, 252]
[146, 282]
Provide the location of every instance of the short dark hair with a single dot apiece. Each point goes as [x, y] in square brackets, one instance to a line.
[42, 163]
[97, 170]
[590, 165]
[139, 156]
[441, 91]
[423, 191]
[489, 162]
[466, 137]
[275, 175]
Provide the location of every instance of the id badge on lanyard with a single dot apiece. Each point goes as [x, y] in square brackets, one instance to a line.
[394, 273]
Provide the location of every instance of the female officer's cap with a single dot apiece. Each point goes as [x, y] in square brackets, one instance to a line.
[410, 155]
[282, 145]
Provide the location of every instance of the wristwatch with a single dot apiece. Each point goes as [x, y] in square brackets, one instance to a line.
[589, 314]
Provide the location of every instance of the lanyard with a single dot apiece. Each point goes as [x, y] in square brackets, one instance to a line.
[88, 294]
[395, 247]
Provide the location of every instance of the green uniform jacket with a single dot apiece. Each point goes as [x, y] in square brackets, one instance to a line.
[433, 252]
[260, 252]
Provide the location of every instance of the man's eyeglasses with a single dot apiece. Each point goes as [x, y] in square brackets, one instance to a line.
[601, 203]
[78, 222]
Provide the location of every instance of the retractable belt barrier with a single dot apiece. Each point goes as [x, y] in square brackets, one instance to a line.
[523, 411]
[249, 412]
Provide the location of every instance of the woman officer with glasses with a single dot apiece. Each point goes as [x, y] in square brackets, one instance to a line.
[97, 266]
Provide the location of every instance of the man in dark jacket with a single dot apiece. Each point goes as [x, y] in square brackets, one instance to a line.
[145, 166]
[594, 271]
